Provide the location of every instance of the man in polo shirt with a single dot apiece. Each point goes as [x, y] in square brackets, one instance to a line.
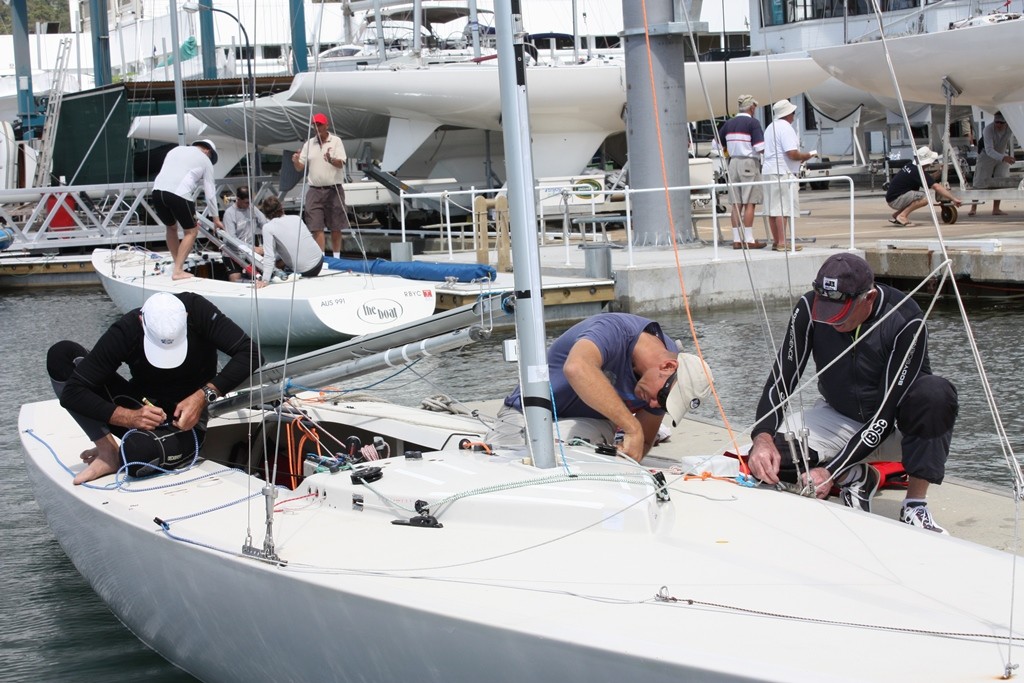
[743, 138]
[324, 156]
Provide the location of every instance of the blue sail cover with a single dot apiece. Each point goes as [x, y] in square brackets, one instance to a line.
[415, 270]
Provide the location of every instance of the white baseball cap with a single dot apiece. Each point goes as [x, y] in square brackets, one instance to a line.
[165, 327]
[692, 385]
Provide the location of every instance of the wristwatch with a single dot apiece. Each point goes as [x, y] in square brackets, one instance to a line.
[211, 394]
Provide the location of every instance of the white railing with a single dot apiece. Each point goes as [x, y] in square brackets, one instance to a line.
[48, 218]
[579, 202]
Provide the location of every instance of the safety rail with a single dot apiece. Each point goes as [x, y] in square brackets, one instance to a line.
[619, 210]
[68, 216]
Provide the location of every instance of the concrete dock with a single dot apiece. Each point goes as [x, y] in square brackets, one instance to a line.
[987, 253]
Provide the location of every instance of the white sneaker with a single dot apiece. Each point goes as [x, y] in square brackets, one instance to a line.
[920, 516]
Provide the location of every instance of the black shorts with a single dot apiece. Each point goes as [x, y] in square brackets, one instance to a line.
[172, 209]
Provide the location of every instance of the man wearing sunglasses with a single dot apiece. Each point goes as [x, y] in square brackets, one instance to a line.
[613, 370]
[870, 345]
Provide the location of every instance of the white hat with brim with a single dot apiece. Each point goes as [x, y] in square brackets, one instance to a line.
[208, 144]
[165, 331]
[925, 156]
[692, 386]
[782, 108]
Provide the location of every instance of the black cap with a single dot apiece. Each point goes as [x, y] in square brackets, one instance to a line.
[841, 279]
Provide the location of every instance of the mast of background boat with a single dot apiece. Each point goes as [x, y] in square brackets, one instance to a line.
[179, 92]
[474, 29]
[522, 211]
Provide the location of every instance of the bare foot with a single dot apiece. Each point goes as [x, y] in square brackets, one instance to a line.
[181, 276]
[971, 213]
[106, 461]
[1000, 213]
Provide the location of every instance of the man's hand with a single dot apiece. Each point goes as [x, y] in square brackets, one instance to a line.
[147, 417]
[189, 410]
[821, 479]
[633, 441]
[764, 459]
[260, 284]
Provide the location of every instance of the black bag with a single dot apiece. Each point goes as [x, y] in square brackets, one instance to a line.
[164, 447]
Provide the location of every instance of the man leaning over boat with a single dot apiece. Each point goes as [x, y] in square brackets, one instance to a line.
[170, 346]
[613, 370]
[286, 238]
[870, 344]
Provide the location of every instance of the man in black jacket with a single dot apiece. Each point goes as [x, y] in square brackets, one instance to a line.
[870, 345]
[170, 346]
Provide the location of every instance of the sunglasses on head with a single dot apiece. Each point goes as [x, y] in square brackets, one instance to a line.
[834, 295]
[665, 390]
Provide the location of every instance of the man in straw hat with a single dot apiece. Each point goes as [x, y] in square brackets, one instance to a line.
[870, 345]
[782, 160]
[743, 138]
[613, 370]
[906, 193]
[175, 188]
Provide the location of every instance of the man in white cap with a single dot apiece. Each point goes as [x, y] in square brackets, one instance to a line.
[907, 192]
[782, 159]
[613, 370]
[993, 160]
[743, 138]
[185, 170]
[324, 156]
[170, 346]
[870, 345]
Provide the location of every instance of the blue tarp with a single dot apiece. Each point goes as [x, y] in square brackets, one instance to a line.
[416, 270]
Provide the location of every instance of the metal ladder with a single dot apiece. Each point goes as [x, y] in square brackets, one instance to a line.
[44, 160]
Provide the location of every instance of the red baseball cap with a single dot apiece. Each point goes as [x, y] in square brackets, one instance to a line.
[320, 118]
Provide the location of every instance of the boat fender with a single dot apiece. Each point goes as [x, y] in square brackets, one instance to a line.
[367, 475]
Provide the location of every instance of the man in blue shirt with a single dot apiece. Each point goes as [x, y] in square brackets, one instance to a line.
[614, 370]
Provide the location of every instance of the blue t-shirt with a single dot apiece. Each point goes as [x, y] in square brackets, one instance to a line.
[615, 335]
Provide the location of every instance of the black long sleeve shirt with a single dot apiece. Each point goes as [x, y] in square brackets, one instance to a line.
[892, 355]
[209, 331]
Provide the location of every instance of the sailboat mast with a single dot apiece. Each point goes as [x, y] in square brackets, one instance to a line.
[515, 123]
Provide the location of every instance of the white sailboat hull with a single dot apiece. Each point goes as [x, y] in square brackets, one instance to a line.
[921, 62]
[525, 580]
[331, 307]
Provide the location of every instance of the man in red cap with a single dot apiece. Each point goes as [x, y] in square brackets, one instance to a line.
[870, 344]
[324, 156]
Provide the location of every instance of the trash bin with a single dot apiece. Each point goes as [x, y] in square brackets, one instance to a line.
[597, 261]
[401, 251]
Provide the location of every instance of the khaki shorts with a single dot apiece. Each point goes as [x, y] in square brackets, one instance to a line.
[906, 199]
[745, 170]
[782, 199]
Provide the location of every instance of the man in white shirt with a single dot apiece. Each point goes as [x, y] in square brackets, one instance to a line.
[243, 221]
[287, 238]
[324, 156]
[782, 159]
[174, 197]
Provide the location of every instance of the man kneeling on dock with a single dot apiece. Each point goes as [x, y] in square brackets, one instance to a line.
[870, 345]
[613, 370]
